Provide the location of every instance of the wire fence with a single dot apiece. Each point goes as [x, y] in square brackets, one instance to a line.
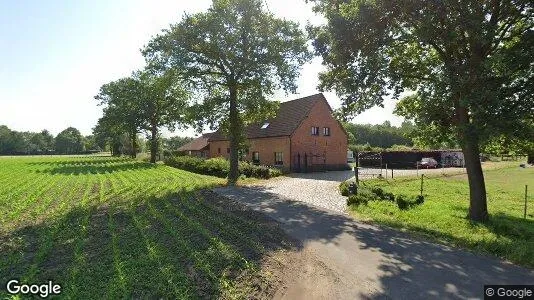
[522, 195]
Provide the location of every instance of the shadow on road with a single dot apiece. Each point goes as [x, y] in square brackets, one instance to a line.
[381, 262]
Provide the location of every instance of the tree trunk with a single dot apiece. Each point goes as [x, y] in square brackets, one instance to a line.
[234, 137]
[153, 143]
[478, 208]
[133, 154]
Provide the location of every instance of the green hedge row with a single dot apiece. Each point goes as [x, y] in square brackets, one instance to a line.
[220, 167]
[365, 195]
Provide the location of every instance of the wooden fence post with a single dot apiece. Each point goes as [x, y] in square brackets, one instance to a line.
[356, 171]
[526, 193]
[422, 175]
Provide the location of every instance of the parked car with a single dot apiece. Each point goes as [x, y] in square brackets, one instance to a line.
[427, 163]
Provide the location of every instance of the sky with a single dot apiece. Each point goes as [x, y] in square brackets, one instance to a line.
[55, 55]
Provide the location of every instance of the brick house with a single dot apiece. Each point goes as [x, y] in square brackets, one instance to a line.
[304, 136]
[198, 147]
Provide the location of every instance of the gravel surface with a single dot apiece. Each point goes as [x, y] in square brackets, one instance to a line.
[319, 189]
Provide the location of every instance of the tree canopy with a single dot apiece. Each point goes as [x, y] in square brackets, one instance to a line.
[380, 135]
[122, 112]
[233, 56]
[468, 64]
[69, 141]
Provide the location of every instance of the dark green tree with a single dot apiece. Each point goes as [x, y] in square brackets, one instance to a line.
[163, 103]
[468, 63]
[233, 57]
[123, 112]
[69, 141]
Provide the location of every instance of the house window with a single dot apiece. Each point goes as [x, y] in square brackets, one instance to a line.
[265, 126]
[256, 157]
[315, 130]
[219, 150]
[326, 131]
[278, 158]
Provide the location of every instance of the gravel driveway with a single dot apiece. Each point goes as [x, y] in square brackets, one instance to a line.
[319, 189]
[322, 188]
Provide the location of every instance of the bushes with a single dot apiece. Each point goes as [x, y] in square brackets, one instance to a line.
[404, 202]
[347, 188]
[364, 195]
[220, 167]
[420, 199]
[357, 200]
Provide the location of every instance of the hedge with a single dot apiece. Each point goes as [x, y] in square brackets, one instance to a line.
[220, 167]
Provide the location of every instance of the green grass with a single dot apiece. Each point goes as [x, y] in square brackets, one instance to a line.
[443, 215]
[104, 227]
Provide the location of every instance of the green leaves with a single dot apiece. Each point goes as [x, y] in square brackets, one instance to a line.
[473, 55]
[235, 43]
[146, 101]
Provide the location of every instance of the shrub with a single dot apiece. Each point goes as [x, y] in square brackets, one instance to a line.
[389, 196]
[275, 172]
[261, 172]
[217, 166]
[188, 163]
[402, 202]
[220, 167]
[344, 188]
[357, 199]
[378, 192]
[420, 199]
[366, 193]
[246, 168]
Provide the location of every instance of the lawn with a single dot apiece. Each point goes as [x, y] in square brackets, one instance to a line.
[443, 214]
[105, 227]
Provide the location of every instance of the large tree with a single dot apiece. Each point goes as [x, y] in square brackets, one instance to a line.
[122, 113]
[234, 56]
[163, 103]
[469, 64]
[69, 141]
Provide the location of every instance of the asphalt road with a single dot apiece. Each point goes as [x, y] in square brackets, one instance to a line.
[372, 262]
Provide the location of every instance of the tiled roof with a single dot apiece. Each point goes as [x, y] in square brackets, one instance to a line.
[287, 120]
[196, 144]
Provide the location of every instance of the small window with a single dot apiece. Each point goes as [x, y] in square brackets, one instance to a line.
[315, 130]
[326, 131]
[227, 150]
[219, 150]
[278, 158]
[265, 126]
[256, 157]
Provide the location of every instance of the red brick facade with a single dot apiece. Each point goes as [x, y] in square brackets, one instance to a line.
[291, 143]
[320, 151]
[300, 151]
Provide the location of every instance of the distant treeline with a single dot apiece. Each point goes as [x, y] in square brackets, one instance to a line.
[367, 137]
[71, 141]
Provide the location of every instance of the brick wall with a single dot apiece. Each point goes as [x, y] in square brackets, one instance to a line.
[328, 150]
[265, 146]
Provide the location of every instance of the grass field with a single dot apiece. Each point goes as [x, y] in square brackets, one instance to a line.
[112, 228]
[443, 215]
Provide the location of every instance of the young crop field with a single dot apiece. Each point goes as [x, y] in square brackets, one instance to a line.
[112, 228]
[443, 214]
